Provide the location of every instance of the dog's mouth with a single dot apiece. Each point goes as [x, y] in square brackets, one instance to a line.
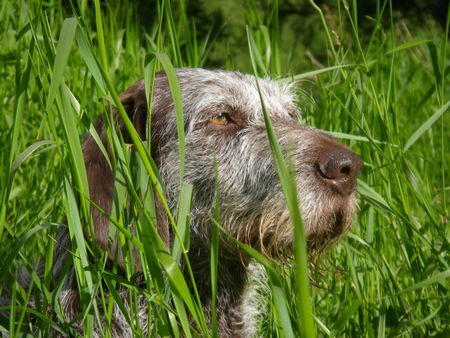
[337, 225]
[324, 235]
[272, 233]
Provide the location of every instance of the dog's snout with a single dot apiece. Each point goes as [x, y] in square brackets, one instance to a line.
[340, 168]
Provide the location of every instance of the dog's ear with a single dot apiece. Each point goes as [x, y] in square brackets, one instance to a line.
[101, 176]
[135, 105]
[134, 102]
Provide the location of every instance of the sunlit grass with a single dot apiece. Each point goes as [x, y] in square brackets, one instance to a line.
[382, 91]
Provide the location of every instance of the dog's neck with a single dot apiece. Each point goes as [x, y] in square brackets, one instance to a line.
[231, 283]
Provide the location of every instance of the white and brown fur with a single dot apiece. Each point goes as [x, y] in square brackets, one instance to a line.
[252, 205]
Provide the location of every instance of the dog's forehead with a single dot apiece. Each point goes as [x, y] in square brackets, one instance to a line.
[204, 90]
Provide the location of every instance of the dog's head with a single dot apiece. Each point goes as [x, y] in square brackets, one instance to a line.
[224, 124]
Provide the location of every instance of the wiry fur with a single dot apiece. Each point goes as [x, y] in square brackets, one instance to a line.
[252, 205]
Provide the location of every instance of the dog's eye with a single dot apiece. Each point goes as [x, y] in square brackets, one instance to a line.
[221, 119]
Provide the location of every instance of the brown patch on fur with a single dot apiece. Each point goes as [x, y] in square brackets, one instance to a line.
[101, 177]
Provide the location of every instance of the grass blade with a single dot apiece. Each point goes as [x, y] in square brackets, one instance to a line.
[437, 278]
[408, 45]
[62, 54]
[314, 73]
[376, 199]
[289, 186]
[28, 152]
[425, 126]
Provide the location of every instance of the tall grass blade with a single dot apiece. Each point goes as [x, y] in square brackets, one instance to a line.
[425, 126]
[8, 260]
[407, 45]
[62, 54]
[437, 278]
[289, 186]
[81, 263]
[101, 36]
[178, 102]
[23, 156]
[371, 195]
[347, 315]
[214, 256]
[314, 73]
[86, 52]
[184, 209]
[276, 285]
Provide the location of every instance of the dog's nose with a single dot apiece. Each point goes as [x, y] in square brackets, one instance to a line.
[340, 168]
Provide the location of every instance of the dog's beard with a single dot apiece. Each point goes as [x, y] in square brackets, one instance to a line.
[270, 230]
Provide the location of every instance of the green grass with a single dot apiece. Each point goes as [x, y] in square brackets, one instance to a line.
[381, 85]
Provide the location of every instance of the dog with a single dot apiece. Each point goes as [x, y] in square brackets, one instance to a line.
[225, 133]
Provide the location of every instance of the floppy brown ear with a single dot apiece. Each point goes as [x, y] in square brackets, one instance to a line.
[101, 176]
[135, 104]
